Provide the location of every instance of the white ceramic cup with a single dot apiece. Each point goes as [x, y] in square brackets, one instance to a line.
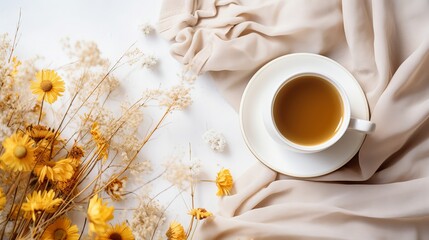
[348, 123]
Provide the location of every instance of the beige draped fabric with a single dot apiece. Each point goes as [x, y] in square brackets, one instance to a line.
[383, 192]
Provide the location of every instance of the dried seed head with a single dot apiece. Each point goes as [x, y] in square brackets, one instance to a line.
[46, 85]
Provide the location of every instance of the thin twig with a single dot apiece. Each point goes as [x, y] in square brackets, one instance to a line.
[193, 232]
[163, 213]
[14, 44]
[41, 107]
[83, 228]
[148, 182]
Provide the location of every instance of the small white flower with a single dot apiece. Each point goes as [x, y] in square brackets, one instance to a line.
[215, 140]
[187, 75]
[177, 97]
[146, 218]
[146, 28]
[181, 172]
[133, 56]
[140, 167]
[149, 61]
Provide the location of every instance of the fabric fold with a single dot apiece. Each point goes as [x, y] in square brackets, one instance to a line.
[380, 193]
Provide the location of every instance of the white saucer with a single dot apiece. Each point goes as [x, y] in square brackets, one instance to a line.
[273, 154]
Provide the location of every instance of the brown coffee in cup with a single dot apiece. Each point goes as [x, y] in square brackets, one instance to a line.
[308, 110]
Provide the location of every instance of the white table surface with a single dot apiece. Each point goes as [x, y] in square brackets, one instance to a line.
[114, 25]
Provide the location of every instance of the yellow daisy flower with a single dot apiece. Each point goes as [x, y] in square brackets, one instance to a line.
[176, 232]
[117, 232]
[59, 171]
[39, 202]
[224, 182]
[48, 85]
[19, 152]
[2, 199]
[102, 144]
[98, 215]
[61, 229]
[200, 213]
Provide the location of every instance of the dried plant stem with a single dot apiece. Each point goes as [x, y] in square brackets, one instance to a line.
[23, 228]
[41, 109]
[192, 201]
[69, 199]
[58, 132]
[90, 165]
[167, 111]
[192, 207]
[106, 168]
[210, 181]
[83, 228]
[64, 145]
[89, 170]
[112, 69]
[15, 42]
[161, 192]
[79, 138]
[10, 118]
[22, 199]
[51, 217]
[60, 211]
[163, 213]
[9, 214]
[148, 182]
[193, 232]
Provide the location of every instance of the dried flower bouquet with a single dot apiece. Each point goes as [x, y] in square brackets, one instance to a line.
[64, 153]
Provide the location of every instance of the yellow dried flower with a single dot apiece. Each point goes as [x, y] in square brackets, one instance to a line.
[47, 143]
[39, 202]
[200, 213]
[176, 231]
[19, 152]
[117, 232]
[39, 132]
[75, 162]
[98, 215]
[16, 64]
[61, 229]
[2, 199]
[115, 189]
[48, 85]
[61, 170]
[68, 186]
[75, 155]
[42, 153]
[102, 144]
[76, 152]
[224, 182]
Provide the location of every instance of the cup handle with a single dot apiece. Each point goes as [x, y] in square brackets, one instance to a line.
[361, 125]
